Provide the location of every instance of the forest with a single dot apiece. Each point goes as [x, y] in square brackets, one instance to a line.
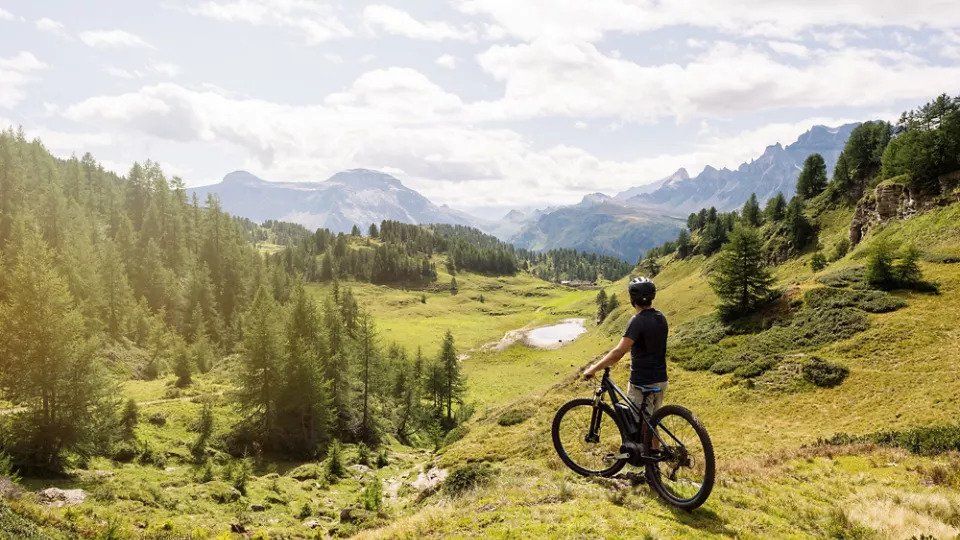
[105, 279]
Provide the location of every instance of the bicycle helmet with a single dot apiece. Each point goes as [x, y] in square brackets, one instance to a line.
[642, 291]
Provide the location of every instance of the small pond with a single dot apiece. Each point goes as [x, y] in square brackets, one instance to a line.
[555, 335]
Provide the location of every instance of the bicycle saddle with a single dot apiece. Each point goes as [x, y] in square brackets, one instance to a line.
[649, 389]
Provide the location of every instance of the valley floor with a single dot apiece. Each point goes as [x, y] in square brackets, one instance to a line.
[776, 478]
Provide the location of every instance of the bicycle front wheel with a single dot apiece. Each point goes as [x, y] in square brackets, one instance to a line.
[587, 438]
[684, 476]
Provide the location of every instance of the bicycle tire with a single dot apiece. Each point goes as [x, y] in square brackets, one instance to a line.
[653, 473]
[558, 444]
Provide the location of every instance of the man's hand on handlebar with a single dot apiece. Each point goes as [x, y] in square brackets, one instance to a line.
[587, 374]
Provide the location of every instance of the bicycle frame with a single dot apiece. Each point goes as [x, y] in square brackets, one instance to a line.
[617, 395]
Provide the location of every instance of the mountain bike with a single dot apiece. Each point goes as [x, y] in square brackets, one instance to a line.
[598, 439]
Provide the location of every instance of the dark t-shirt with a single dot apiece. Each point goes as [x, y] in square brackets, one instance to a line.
[648, 356]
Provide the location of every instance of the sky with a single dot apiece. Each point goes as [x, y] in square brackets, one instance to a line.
[484, 105]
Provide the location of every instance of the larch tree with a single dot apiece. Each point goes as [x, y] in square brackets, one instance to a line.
[740, 276]
[47, 362]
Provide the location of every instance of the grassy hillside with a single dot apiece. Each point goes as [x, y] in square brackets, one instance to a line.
[774, 478]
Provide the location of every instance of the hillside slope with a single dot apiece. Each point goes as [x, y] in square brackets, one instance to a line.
[599, 224]
[775, 479]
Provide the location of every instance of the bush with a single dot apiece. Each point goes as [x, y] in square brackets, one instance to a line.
[7, 469]
[926, 440]
[363, 454]
[372, 496]
[854, 277]
[755, 368]
[867, 300]
[514, 417]
[334, 462]
[840, 249]
[823, 373]
[382, 460]
[467, 477]
[818, 262]
[238, 473]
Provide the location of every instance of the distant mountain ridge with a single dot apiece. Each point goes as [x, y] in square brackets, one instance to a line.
[775, 170]
[353, 197]
[599, 224]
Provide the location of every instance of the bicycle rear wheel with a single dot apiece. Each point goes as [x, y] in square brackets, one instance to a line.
[684, 478]
[589, 452]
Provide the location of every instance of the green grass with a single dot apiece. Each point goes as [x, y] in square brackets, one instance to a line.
[774, 479]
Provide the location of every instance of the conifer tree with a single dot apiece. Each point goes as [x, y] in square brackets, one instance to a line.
[368, 357]
[751, 211]
[47, 363]
[452, 379]
[799, 228]
[740, 276]
[813, 177]
[776, 208]
[260, 374]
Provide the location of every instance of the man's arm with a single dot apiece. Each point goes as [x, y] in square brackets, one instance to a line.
[610, 358]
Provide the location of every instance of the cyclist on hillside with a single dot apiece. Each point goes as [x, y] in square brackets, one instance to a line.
[646, 339]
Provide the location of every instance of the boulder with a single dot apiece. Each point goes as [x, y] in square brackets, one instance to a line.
[61, 497]
[257, 507]
[9, 489]
[311, 523]
[429, 480]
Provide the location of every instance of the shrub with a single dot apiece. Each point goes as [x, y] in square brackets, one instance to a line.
[238, 473]
[363, 454]
[158, 419]
[372, 496]
[854, 277]
[818, 262]
[7, 469]
[867, 300]
[129, 419]
[840, 249]
[823, 373]
[755, 368]
[467, 477]
[514, 417]
[382, 460]
[334, 462]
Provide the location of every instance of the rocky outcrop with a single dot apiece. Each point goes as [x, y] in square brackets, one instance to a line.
[893, 200]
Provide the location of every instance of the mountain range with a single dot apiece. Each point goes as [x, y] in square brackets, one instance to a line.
[624, 225]
[775, 170]
[353, 197]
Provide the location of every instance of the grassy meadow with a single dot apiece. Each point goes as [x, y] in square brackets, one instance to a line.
[774, 478]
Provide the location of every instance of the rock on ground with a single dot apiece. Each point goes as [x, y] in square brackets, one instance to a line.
[430, 480]
[61, 497]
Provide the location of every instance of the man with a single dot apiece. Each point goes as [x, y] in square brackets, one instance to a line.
[646, 339]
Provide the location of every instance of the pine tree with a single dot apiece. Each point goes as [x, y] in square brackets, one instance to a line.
[880, 266]
[799, 228]
[373, 230]
[182, 368]
[813, 177]
[129, 419]
[47, 362]
[452, 379]
[454, 289]
[683, 245]
[751, 211]
[355, 231]
[260, 374]
[776, 208]
[369, 363]
[740, 276]
[601, 301]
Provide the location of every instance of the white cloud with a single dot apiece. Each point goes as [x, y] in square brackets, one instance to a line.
[395, 21]
[315, 21]
[51, 26]
[6, 15]
[789, 48]
[16, 72]
[446, 60]
[112, 39]
[575, 19]
[333, 58]
[398, 119]
[154, 69]
[548, 78]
